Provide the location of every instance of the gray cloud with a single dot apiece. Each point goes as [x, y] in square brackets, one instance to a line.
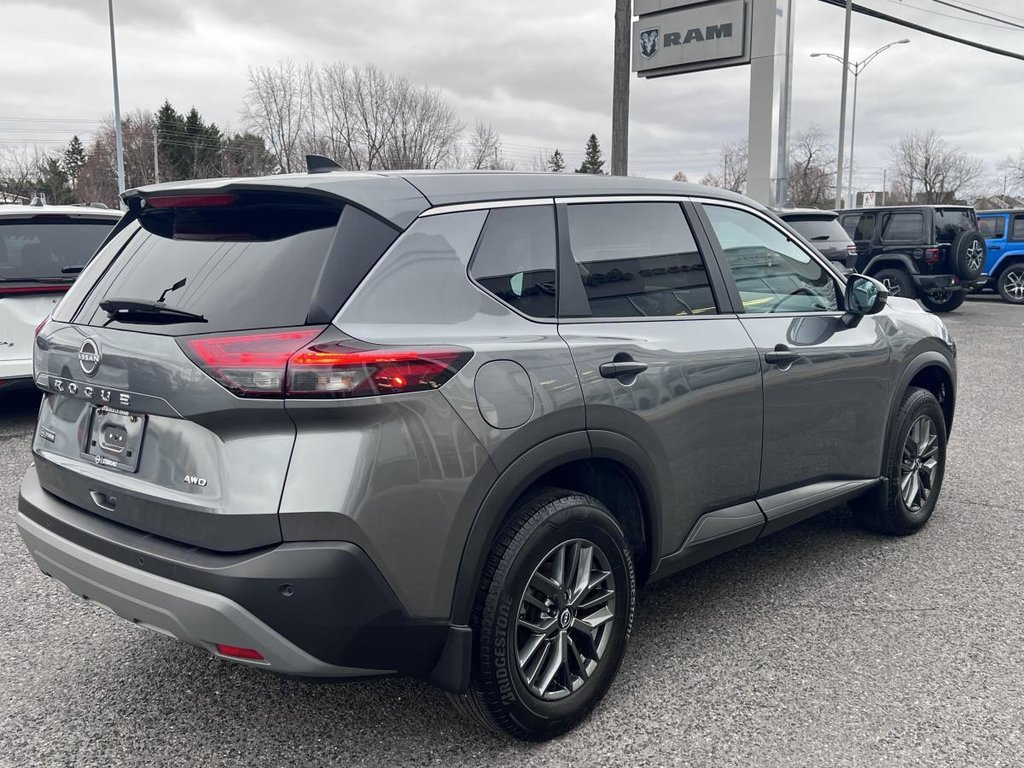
[539, 71]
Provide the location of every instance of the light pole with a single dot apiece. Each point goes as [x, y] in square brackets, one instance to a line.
[854, 68]
[117, 103]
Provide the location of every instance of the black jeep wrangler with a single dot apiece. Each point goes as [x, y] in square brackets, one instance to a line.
[929, 252]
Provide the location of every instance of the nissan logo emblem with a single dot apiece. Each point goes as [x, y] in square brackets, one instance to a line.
[89, 357]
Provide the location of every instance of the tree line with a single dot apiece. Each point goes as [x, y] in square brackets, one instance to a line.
[368, 119]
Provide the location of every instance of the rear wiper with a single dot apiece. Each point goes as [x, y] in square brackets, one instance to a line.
[147, 311]
[73, 270]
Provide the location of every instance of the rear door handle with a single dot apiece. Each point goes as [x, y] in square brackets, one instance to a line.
[621, 369]
[781, 356]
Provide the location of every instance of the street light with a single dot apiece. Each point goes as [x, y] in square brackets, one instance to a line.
[118, 142]
[855, 68]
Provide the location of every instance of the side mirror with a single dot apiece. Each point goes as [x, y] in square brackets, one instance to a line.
[864, 296]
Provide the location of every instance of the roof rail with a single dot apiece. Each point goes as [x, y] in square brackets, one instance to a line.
[321, 164]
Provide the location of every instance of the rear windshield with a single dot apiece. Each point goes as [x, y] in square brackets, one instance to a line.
[950, 222]
[819, 229]
[252, 264]
[43, 247]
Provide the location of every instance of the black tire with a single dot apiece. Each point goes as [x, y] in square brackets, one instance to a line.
[500, 697]
[885, 509]
[943, 301]
[967, 254]
[897, 282]
[1010, 283]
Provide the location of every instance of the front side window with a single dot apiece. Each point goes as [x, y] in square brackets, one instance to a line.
[771, 272]
[992, 227]
[904, 228]
[639, 260]
[515, 259]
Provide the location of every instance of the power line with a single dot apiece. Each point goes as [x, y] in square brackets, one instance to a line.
[977, 13]
[988, 24]
[927, 30]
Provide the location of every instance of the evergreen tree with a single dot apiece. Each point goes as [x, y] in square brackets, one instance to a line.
[556, 163]
[73, 160]
[592, 160]
[53, 182]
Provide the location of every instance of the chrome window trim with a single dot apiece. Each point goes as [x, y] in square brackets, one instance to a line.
[485, 206]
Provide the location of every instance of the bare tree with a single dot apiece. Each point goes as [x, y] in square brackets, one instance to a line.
[680, 176]
[19, 169]
[928, 169]
[1014, 168]
[484, 150]
[733, 176]
[812, 169]
[277, 107]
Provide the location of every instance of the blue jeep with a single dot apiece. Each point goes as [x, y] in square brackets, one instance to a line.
[1004, 234]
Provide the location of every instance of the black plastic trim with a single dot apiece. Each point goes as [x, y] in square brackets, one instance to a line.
[327, 598]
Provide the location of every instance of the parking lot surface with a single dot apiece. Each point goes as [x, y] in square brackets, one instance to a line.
[821, 645]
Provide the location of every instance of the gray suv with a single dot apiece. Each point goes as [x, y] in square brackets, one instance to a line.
[445, 424]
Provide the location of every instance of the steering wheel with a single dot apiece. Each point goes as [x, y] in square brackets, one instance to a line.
[798, 292]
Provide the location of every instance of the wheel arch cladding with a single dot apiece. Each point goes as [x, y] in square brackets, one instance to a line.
[937, 380]
[889, 261]
[563, 462]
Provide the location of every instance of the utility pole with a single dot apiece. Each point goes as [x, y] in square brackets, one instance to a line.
[842, 105]
[620, 88]
[156, 153]
[117, 103]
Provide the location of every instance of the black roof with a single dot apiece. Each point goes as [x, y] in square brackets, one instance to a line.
[400, 196]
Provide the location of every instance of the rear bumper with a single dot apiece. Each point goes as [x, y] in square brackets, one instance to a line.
[927, 283]
[317, 609]
[16, 374]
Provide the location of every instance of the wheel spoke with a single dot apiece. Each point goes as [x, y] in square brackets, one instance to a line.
[543, 584]
[581, 580]
[558, 568]
[596, 601]
[594, 620]
[529, 648]
[530, 672]
[556, 656]
[577, 657]
[538, 628]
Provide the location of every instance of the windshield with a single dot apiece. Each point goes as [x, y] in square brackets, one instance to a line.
[44, 246]
[819, 228]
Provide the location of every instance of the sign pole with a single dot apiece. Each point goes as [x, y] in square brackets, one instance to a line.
[620, 88]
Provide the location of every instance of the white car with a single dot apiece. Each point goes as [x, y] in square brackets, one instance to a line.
[42, 249]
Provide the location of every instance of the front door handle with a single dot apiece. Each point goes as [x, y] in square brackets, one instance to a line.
[622, 369]
[781, 356]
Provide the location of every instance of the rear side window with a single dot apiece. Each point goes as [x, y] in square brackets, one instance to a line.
[515, 259]
[819, 229]
[950, 222]
[639, 260]
[992, 227]
[253, 263]
[45, 246]
[1017, 233]
[904, 227]
[859, 226]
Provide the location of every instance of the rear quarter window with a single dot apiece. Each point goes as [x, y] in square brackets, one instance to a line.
[950, 222]
[904, 227]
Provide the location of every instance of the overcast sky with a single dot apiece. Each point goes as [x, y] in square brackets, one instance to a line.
[538, 70]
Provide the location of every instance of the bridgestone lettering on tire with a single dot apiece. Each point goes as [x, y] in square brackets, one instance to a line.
[560, 567]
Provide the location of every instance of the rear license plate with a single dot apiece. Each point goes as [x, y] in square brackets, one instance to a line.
[115, 438]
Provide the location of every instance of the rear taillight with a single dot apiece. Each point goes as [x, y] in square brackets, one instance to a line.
[851, 249]
[40, 327]
[932, 255]
[291, 364]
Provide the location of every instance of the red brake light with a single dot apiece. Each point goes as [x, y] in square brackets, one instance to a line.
[932, 255]
[851, 248]
[27, 290]
[288, 363]
[41, 326]
[236, 652]
[189, 201]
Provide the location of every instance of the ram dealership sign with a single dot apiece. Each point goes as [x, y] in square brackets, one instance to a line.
[673, 36]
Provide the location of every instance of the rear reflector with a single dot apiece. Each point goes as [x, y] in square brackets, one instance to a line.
[292, 364]
[234, 652]
[189, 201]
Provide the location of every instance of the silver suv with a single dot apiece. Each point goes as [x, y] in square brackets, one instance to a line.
[445, 424]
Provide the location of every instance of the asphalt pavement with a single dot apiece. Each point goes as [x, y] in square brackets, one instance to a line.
[821, 645]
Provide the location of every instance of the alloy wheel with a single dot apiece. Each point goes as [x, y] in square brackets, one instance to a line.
[920, 463]
[892, 286]
[565, 619]
[975, 254]
[1013, 283]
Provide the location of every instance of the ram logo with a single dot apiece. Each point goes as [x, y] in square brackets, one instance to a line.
[195, 480]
